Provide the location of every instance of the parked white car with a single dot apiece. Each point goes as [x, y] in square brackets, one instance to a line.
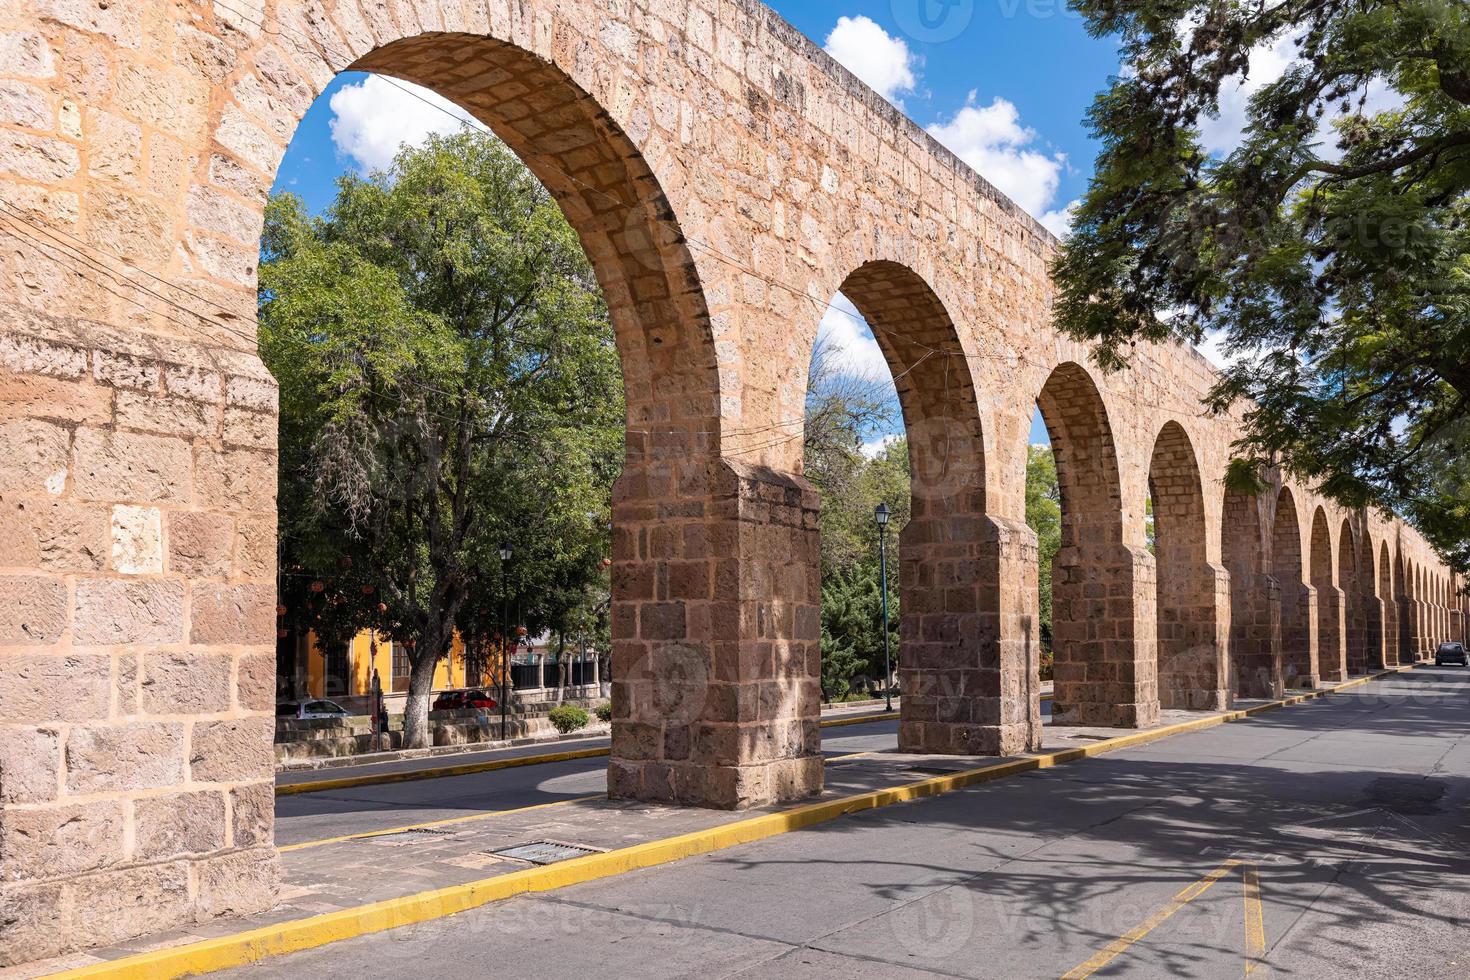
[308, 710]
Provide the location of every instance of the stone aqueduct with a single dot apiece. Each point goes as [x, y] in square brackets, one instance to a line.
[726, 178]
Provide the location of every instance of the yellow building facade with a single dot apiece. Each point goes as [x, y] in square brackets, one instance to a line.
[317, 671]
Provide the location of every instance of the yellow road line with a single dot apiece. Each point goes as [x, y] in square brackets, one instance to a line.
[450, 822]
[1255, 921]
[1120, 945]
[299, 934]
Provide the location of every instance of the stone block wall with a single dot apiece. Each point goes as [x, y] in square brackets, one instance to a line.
[716, 695]
[137, 663]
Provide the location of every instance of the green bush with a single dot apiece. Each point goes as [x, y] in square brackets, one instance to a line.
[568, 718]
[604, 712]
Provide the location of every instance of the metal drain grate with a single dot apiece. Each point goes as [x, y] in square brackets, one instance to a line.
[413, 833]
[934, 770]
[545, 852]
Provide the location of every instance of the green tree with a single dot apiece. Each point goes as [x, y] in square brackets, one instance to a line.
[852, 628]
[842, 410]
[1332, 247]
[1044, 515]
[449, 382]
[852, 633]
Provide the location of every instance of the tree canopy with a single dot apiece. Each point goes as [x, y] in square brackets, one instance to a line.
[1330, 246]
[449, 384]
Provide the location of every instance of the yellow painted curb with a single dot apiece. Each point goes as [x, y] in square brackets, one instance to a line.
[319, 930]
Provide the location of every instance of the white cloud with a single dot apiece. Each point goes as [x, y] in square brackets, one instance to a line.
[1213, 349]
[844, 332]
[372, 120]
[1059, 223]
[992, 140]
[873, 447]
[870, 53]
[1268, 62]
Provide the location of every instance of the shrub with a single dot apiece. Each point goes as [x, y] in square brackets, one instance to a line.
[604, 712]
[1048, 662]
[568, 718]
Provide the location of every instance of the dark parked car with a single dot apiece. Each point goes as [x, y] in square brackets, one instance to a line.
[1451, 653]
[464, 700]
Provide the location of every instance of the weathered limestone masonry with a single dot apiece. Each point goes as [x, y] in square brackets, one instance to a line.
[726, 179]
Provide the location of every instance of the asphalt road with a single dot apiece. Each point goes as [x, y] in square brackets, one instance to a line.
[333, 813]
[1326, 840]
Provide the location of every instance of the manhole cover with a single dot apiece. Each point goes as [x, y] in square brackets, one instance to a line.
[545, 852]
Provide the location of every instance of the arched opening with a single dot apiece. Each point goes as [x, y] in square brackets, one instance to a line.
[1352, 599]
[1412, 626]
[674, 509]
[1102, 589]
[618, 209]
[1192, 656]
[1331, 603]
[1389, 601]
[954, 636]
[1364, 654]
[1255, 600]
[1419, 609]
[1403, 597]
[1298, 635]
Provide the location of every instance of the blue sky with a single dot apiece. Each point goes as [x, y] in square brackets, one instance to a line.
[1003, 83]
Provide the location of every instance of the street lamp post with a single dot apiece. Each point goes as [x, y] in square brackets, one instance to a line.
[881, 516]
[504, 639]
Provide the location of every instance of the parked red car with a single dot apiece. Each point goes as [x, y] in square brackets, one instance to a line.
[464, 700]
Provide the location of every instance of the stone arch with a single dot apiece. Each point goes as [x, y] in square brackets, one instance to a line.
[959, 647]
[1415, 612]
[1331, 602]
[1418, 609]
[1370, 615]
[1102, 589]
[1387, 595]
[618, 208]
[1191, 647]
[1298, 600]
[1404, 597]
[546, 109]
[1354, 616]
[664, 657]
[935, 388]
[1255, 600]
